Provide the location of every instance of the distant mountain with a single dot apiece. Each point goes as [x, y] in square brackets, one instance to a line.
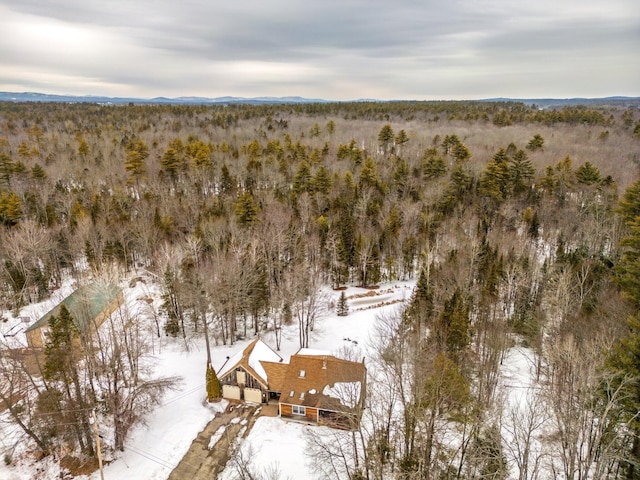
[43, 97]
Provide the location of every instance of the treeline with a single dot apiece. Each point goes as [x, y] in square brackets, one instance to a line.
[224, 116]
[263, 197]
[62, 162]
[244, 212]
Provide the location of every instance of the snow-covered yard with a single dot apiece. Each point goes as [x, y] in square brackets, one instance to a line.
[154, 449]
[275, 445]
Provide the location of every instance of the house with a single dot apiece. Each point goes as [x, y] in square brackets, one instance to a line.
[314, 386]
[89, 306]
[323, 389]
[243, 376]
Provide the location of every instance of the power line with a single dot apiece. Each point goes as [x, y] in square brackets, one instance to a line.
[182, 395]
[152, 457]
[59, 412]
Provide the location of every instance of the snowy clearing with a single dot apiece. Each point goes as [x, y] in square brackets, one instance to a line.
[154, 450]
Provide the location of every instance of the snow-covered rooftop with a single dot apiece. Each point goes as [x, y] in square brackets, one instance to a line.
[251, 356]
[231, 363]
[262, 352]
[348, 393]
[313, 352]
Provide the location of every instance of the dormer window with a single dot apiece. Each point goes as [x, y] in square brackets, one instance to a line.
[302, 373]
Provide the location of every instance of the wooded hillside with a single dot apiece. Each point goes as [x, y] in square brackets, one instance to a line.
[509, 218]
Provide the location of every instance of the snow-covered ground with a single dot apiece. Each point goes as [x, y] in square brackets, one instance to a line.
[523, 413]
[154, 449]
[275, 445]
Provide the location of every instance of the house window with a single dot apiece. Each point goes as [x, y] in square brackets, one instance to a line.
[299, 410]
[292, 393]
[302, 373]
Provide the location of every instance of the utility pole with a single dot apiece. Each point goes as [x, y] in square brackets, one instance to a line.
[94, 420]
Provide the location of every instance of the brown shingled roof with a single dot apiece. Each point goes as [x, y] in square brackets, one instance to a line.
[276, 373]
[313, 378]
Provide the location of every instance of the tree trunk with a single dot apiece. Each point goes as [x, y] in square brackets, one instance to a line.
[206, 338]
[633, 472]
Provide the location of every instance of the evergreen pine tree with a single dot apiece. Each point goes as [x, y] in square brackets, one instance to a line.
[494, 181]
[321, 182]
[61, 358]
[536, 143]
[170, 304]
[588, 174]
[448, 143]
[421, 306]
[258, 292]
[135, 163]
[37, 172]
[10, 210]
[461, 153]
[246, 209]
[401, 138]
[214, 389]
[624, 358]
[6, 169]
[83, 148]
[386, 138]
[227, 182]
[342, 308]
[302, 178]
[521, 172]
[454, 324]
[434, 167]
[171, 163]
[23, 150]
[60, 347]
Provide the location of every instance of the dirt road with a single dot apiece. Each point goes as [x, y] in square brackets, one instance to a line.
[211, 450]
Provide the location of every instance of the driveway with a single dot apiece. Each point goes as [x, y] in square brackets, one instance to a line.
[212, 448]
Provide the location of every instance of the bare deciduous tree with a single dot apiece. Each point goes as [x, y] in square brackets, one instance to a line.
[523, 424]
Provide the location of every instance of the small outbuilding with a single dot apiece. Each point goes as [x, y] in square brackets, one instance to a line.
[89, 306]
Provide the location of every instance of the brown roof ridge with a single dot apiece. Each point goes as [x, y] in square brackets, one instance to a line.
[246, 353]
[327, 357]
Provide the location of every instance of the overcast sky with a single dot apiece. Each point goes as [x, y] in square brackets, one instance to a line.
[332, 49]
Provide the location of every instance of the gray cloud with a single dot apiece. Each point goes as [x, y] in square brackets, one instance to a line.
[331, 49]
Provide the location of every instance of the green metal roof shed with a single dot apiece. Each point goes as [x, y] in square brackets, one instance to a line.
[88, 305]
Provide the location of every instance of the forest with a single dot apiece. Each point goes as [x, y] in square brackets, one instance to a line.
[519, 226]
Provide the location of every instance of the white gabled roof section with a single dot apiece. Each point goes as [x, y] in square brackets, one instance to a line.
[231, 363]
[251, 357]
[262, 352]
